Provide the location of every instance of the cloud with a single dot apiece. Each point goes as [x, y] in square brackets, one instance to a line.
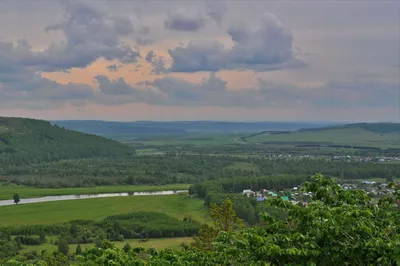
[150, 55]
[357, 92]
[117, 91]
[157, 63]
[216, 10]
[266, 47]
[141, 40]
[113, 67]
[144, 41]
[90, 34]
[33, 89]
[184, 20]
[213, 91]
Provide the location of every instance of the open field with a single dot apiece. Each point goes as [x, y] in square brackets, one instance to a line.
[177, 206]
[186, 139]
[156, 243]
[7, 192]
[345, 136]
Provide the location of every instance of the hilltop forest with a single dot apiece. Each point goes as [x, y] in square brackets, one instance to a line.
[24, 141]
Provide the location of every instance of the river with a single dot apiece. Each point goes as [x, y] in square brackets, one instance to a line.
[90, 196]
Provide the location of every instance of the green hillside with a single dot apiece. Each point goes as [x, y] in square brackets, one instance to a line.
[372, 127]
[28, 140]
[384, 135]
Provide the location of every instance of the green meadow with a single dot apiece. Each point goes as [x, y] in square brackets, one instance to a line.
[178, 206]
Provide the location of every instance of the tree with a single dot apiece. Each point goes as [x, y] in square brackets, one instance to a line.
[127, 247]
[16, 198]
[78, 250]
[42, 237]
[224, 219]
[63, 246]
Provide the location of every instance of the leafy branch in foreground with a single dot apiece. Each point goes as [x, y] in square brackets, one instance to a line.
[224, 220]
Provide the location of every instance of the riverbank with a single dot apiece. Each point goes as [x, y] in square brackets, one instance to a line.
[7, 192]
[91, 196]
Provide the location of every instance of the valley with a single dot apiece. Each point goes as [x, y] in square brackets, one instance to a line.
[207, 167]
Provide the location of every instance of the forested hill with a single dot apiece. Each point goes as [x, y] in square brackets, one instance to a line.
[28, 140]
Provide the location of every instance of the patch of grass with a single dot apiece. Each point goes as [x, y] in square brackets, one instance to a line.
[156, 243]
[178, 206]
[7, 192]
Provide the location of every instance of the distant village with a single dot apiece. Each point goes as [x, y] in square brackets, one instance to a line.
[374, 190]
[345, 158]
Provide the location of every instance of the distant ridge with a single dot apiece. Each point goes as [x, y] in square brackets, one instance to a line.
[109, 128]
[380, 127]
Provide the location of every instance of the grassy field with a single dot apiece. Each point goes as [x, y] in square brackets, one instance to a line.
[158, 243]
[7, 192]
[203, 139]
[346, 136]
[177, 206]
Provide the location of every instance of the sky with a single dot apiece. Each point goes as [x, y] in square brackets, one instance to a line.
[232, 60]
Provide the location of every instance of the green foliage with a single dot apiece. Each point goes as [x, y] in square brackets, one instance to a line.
[16, 198]
[224, 219]
[78, 250]
[30, 240]
[247, 208]
[148, 225]
[42, 237]
[127, 247]
[8, 247]
[338, 227]
[139, 225]
[189, 169]
[63, 246]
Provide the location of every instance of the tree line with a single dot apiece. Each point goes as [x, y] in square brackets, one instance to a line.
[160, 170]
[136, 225]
